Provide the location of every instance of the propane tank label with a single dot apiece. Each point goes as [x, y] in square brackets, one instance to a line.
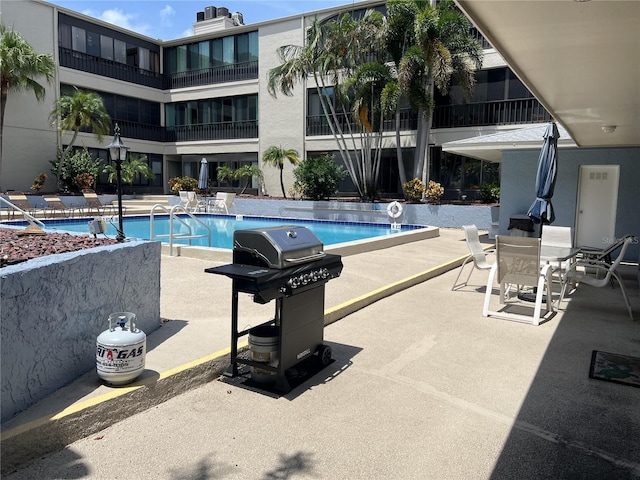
[120, 359]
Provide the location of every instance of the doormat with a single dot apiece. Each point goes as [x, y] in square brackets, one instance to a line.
[612, 367]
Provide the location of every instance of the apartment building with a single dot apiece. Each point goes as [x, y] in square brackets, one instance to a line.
[205, 96]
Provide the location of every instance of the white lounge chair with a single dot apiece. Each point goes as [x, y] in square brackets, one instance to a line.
[188, 200]
[518, 264]
[222, 202]
[581, 272]
[478, 254]
[557, 236]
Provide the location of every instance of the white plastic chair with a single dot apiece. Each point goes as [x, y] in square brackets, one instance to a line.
[601, 266]
[222, 202]
[518, 263]
[478, 255]
[556, 236]
[188, 200]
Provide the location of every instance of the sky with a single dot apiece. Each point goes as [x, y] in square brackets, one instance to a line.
[169, 19]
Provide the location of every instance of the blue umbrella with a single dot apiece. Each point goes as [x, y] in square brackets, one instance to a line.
[203, 179]
[541, 211]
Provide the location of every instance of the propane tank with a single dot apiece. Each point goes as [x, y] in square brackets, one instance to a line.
[121, 350]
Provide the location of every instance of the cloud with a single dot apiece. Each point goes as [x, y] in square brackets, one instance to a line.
[166, 14]
[117, 17]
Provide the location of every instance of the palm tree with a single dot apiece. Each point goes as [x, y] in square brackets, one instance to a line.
[276, 156]
[80, 111]
[20, 66]
[247, 172]
[441, 49]
[333, 53]
[225, 173]
[131, 167]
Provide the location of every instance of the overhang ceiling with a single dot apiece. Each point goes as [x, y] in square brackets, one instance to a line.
[581, 59]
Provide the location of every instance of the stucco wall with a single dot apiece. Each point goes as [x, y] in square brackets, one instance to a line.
[517, 186]
[53, 308]
[443, 216]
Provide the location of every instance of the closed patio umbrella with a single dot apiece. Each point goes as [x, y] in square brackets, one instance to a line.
[203, 179]
[541, 211]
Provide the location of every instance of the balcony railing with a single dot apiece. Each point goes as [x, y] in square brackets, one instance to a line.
[505, 112]
[140, 131]
[109, 68]
[213, 131]
[317, 124]
[208, 76]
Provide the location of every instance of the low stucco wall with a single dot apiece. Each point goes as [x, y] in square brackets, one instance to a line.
[53, 308]
[443, 216]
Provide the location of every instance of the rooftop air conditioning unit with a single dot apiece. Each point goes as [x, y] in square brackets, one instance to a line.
[237, 18]
[223, 12]
[210, 12]
[199, 16]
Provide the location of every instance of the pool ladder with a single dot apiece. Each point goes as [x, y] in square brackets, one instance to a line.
[173, 235]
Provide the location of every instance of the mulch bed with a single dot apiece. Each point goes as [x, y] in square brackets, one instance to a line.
[16, 248]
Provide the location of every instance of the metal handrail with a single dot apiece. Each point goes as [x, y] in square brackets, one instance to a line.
[172, 216]
[30, 218]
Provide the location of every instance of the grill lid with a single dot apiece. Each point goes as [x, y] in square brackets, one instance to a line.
[276, 247]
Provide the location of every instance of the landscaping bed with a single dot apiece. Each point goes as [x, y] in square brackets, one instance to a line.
[16, 247]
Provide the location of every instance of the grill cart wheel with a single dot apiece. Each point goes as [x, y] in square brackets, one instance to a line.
[324, 353]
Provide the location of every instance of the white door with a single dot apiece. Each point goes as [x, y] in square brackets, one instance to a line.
[597, 205]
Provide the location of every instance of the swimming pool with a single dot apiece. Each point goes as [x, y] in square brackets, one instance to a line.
[223, 226]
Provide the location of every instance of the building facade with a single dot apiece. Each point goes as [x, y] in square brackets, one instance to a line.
[205, 96]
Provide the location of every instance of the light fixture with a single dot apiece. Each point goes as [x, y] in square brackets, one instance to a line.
[608, 128]
[118, 154]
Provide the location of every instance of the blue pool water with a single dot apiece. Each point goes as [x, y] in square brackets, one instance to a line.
[223, 226]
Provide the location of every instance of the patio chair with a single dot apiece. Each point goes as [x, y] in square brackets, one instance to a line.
[93, 203]
[518, 263]
[603, 254]
[188, 200]
[222, 202]
[478, 254]
[54, 204]
[557, 236]
[601, 266]
[20, 200]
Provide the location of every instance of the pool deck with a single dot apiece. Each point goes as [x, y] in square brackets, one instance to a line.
[422, 386]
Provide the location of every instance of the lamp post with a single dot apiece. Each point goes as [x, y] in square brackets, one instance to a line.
[118, 154]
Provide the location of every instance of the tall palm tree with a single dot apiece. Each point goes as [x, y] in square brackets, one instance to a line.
[80, 111]
[441, 48]
[333, 52]
[275, 156]
[20, 66]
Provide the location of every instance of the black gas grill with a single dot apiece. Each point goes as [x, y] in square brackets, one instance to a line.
[286, 264]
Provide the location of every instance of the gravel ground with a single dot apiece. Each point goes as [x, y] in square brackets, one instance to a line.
[16, 248]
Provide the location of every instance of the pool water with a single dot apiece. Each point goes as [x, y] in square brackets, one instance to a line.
[223, 226]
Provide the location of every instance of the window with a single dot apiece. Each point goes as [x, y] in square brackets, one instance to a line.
[120, 51]
[106, 47]
[78, 39]
[93, 44]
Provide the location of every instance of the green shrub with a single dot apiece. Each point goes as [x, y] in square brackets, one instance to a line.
[490, 193]
[78, 165]
[318, 178]
[187, 184]
[413, 190]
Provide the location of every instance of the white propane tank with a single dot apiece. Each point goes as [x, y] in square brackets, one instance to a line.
[121, 350]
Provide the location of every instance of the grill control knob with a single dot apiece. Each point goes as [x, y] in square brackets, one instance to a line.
[293, 283]
[324, 272]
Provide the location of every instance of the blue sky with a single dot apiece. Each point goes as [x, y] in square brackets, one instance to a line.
[171, 19]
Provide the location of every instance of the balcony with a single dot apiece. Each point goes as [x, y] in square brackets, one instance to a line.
[506, 112]
[140, 131]
[109, 68]
[213, 131]
[317, 124]
[208, 76]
